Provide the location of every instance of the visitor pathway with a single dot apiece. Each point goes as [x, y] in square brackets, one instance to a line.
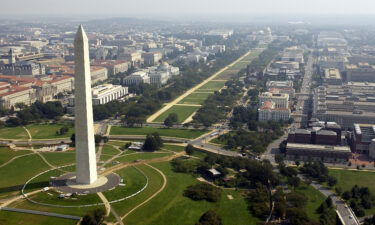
[188, 92]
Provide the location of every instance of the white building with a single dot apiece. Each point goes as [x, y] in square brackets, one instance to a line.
[107, 92]
[159, 75]
[136, 78]
[159, 78]
[280, 99]
[268, 111]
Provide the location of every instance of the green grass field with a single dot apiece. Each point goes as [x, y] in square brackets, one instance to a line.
[174, 148]
[24, 219]
[213, 85]
[183, 112]
[15, 174]
[167, 132]
[315, 199]
[47, 131]
[346, 179]
[60, 158]
[13, 133]
[141, 156]
[177, 209]
[75, 211]
[109, 150]
[195, 98]
[133, 180]
[227, 74]
[7, 154]
[155, 183]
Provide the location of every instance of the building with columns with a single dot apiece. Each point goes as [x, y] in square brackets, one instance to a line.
[107, 92]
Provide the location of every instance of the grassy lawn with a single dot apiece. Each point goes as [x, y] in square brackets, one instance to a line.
[133, 180]
[195, 98]
[24, 219]
[15, 174]
[213, 85]
[48, 131]
[227, 74]
[7, 154]
[52, 197]
[177, 209]
[183, 112]
[174, 148]
[315, 198]
[75, 211]
[13, 133]
[346, 179]
[109, 150]
[167, 132]
[141, 156]
[60, 158]
[155, 183]
[118, 143]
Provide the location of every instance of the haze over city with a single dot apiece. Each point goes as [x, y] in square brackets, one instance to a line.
[147, 8]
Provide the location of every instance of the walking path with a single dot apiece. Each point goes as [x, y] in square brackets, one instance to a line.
[28, 133]
[152, 196]
[14, 158]
[188, 92]
[106, 203]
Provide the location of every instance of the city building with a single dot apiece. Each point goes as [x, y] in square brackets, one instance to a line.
[134, 57]
[105, 93]
[98, 74]
[280, 100]
[12, 95]
[24, 90]
[269, 111]
[325, 153]
[113, 66]
[362, 72]
[345, 104]
[362, 137]
[282, 87]
[136, 78]
[159, 75]
[152, 58]
[332, 76]
[19, 66]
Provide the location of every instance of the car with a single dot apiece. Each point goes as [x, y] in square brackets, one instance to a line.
[350, 217]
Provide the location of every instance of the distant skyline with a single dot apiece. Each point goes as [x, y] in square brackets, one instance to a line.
[176, 8]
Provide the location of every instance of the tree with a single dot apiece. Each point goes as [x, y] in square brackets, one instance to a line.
[346, 195]
[279, 158]
[14, 122]
[210, 218]
[94, 218]
[332, 181]
[73, 139]
[297, 216]
[282, 146]
[296, 199]
[171, 120]
[294, 181]
[189, 149]
[203, 191]
[152, 142]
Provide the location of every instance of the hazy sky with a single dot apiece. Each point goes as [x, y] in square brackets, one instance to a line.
[175, 7]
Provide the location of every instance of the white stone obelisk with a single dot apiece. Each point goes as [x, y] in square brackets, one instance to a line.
[84, 124]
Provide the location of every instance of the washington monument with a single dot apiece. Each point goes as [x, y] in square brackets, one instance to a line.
[84, 125]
